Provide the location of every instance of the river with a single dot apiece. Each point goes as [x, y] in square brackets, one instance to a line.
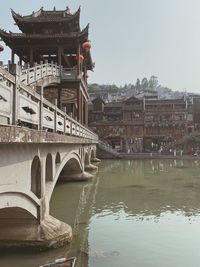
[142, 213]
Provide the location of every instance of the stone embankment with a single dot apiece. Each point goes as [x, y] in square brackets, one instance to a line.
[105, 152]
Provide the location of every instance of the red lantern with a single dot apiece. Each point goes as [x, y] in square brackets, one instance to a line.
[1, 48]
[86, 46]
[81, 58]
[86, 76]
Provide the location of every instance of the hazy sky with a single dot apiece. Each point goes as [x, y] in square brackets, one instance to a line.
[132, 38]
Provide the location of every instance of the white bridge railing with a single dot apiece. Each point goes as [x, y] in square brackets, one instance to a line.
[21, 105]
[32, 75]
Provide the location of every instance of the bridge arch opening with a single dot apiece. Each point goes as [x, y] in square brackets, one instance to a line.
[15, 222]
[87, 159]
[49, 168]
[58, 159]
[36, 176]
[10, 213]
[72, 165]
[72, 168]
[93, 154]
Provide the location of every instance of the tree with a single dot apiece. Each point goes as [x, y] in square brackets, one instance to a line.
[144, 83]
[137, 85]
[153, 82]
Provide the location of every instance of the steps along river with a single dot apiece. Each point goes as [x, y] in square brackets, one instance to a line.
[138, 213]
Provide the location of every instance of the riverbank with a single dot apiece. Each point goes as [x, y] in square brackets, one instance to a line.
[144, 155]
[155, 156]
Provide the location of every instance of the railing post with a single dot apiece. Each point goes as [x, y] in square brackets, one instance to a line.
[60, 70]
[41, 63]
[39, 89]
[75, 129]
[27, 73]
[55, 116]
[35, 68]
[70, 127]
[52, 67]
[15, 70]
[65, 111]
[46, 65]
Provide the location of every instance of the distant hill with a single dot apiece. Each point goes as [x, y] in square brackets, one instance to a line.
[111, 92]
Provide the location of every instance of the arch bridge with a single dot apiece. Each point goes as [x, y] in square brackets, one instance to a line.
[40, 145]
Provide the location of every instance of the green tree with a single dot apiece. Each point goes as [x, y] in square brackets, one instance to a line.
[153, 82]
[144, 83]
[137, 85]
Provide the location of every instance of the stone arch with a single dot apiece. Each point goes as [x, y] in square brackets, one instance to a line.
[70, 161]
[49, 168]
[58, 158]
[87, 159]
[72, 166]
[21, 201]
[36, 176]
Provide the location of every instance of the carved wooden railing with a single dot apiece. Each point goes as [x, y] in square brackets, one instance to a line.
[21, 105]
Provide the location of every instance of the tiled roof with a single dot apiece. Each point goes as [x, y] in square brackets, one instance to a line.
[11, 35]
[46, 16]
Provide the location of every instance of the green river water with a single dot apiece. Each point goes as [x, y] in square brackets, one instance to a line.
[138, 213]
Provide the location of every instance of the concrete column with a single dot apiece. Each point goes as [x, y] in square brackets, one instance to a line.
[12, 57]
[59, 96]
[82, 111]
[31, 56]
[86, 113]
[78, 60]
[79, 93]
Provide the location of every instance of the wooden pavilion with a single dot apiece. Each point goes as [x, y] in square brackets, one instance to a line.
[55, 36]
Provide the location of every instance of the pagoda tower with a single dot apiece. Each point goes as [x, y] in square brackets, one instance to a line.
[55, 36]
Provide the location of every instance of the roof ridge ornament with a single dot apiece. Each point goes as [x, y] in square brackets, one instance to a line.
[67, 10]
[37, 13]
[15, 14]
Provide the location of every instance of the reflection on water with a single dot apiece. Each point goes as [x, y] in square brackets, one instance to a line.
[134, 213]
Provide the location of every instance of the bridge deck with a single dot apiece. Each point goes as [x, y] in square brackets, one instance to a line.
[13, 134]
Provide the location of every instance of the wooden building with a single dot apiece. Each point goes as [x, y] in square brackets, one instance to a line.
[166, 121]
[120, 124]
[55, 36]
[137, 125]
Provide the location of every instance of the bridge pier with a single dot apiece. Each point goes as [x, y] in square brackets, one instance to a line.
[90, 167]
[76, 177]
[43, 234]
[95, 160]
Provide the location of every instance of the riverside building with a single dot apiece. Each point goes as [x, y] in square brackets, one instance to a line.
[137, 125]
